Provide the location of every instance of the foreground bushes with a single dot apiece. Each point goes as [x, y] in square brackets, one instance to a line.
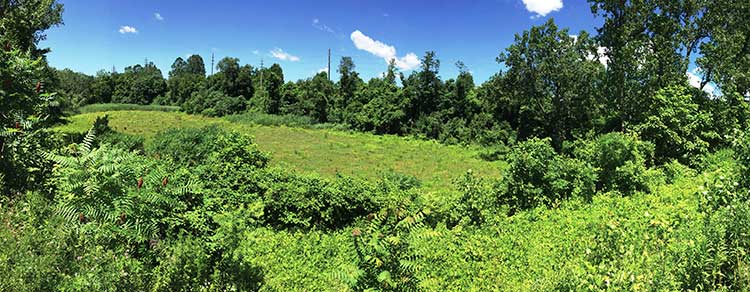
[621, 161]
[538, 176]
[178, 223]
[225, 220]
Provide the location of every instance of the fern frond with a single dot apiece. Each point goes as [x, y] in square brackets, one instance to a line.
[88, 141]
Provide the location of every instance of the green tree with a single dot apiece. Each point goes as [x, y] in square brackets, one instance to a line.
[103, 86]
[76, 88]
[179, 67]
[22, 23]
[26, 106]
[195, 65]
[347, 87]
[725, 54]
[313, 96]
[424, 88]
[140, 85]
[551, 81]
[384, 110]
[648, 45]
[674, 125]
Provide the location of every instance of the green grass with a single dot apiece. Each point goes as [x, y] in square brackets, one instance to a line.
[101, 107]
[326, 152]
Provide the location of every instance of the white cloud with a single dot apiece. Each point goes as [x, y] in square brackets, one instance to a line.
[324, 69]
[387, 52]
[321, 26]
[542, 7]
[695, 81]
[284, 56]
[256, 52]
[602, 52]
[127, 29]
[158, 16]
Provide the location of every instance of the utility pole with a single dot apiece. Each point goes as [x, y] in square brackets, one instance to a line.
[329, 64]
[212, 63]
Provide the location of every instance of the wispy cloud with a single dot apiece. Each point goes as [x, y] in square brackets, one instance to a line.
[127, 29]
[284, 56]
[158, 16]
[542, 7]
[408, 62]
[256, 52]
[321, 26]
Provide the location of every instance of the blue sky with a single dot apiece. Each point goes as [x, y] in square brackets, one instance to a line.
[99, 34]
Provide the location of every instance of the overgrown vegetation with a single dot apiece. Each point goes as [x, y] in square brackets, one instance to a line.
[614, 177]
[105, 107]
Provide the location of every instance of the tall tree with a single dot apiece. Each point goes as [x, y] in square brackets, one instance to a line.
[725, 55]
[195, 65]
[23, 23]
[648, 44]
[460, 99]
[140, 85]
[179, 67]
[424, 88]
[184, 80]
[551, 79]
[348, 85]
[269, 83]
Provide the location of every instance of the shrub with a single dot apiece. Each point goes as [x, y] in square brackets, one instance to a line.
[400, 180]
[306, 201]
[620, 160]
[386, 257]
[674, 124]
[537, 176]
[288, 120]
[194, 146]
[106, 107]
[477, 202]
[741, 146]
[214, 103]
[722, 259]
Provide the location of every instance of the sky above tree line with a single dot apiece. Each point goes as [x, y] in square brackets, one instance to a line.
[102, 34]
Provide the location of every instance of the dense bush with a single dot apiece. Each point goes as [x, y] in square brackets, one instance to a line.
[214, 103]
[25, 112]
[620, 160]
[188, 147]
[538, 176]
[104, 107]
[674, 125]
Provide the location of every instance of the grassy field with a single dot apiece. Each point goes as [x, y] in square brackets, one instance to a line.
[326, 152]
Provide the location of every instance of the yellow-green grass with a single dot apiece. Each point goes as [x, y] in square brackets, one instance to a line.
[326, 152]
